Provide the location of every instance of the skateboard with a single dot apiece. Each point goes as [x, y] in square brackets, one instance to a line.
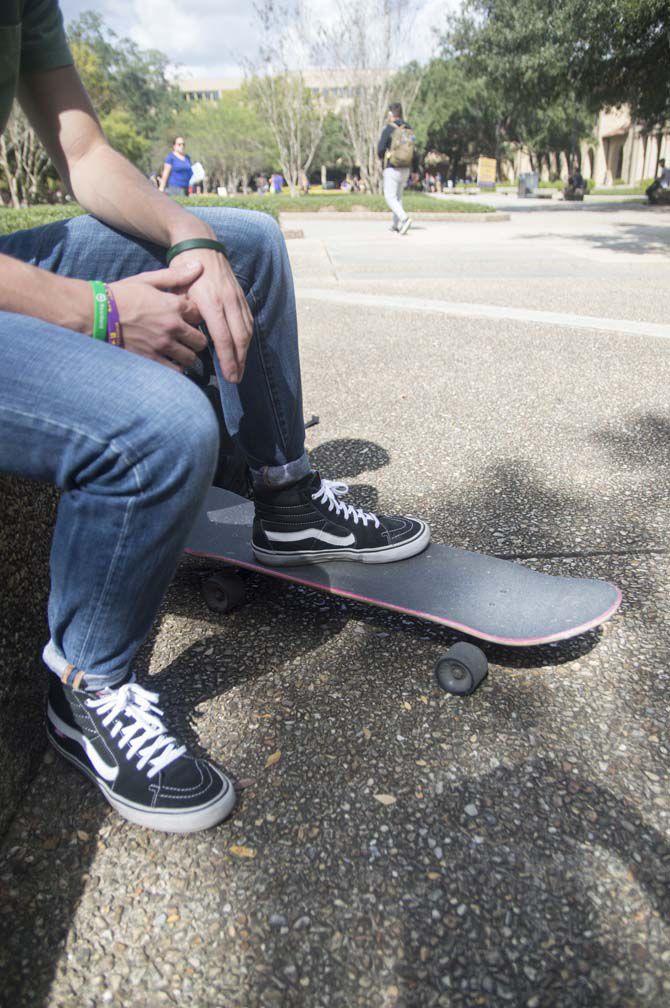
[481, 596]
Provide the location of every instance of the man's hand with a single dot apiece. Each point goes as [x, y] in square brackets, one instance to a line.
[158, 316]
[221, 303]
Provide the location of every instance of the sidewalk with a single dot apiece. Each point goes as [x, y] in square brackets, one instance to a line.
[522, 857]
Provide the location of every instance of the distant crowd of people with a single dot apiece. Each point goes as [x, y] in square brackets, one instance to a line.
[179, 176]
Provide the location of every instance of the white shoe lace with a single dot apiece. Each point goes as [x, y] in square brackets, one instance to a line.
[330, 491]
[145, 736]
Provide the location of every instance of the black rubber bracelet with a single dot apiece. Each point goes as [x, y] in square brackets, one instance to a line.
[195, 243]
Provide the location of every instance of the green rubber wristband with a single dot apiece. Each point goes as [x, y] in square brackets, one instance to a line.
[195, 243]
[99, 310]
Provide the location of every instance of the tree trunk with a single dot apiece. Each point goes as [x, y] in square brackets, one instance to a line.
[9, 174]
[659, 141]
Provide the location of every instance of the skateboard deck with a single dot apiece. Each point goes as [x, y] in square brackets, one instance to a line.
[482, 596]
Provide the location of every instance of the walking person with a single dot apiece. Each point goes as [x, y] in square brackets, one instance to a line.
[177, 170]
[397, 151]
[95, 334]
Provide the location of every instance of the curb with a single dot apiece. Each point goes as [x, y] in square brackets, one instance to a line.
[494, 216]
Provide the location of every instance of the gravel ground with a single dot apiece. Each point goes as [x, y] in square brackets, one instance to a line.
[395, 847]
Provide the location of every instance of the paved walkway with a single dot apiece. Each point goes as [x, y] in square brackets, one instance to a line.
[523, 856]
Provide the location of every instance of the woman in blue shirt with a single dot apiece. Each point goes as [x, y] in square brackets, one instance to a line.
[176, 170]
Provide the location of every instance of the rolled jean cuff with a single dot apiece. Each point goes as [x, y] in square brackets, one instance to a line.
[55, 661]
[279, 476]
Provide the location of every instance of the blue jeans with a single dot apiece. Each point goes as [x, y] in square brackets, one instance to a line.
[132, 444]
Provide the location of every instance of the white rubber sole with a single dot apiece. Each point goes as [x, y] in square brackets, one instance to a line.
[384, 554]
[199, 818]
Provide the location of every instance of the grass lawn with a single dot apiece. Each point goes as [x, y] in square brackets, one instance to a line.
[637, 190]
[342, 202]
[34, 216]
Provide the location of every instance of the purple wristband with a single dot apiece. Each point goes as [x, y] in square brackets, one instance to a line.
[114, 334]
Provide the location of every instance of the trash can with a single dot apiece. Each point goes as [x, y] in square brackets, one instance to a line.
[528, 184]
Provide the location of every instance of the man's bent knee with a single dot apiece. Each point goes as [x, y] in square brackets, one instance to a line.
[194, 438]
[172, 434]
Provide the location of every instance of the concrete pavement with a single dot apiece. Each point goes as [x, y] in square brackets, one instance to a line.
[523, 857]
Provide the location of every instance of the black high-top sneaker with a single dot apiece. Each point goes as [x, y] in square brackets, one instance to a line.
[116, 737]
[308, 523]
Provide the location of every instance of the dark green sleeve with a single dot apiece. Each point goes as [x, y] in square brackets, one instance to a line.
[43, 42]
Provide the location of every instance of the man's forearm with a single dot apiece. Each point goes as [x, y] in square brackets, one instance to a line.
[115, 192]
[28, 290]
[100, 179]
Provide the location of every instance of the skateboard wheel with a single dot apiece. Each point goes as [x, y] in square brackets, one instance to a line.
[461, 669]
[223, 593]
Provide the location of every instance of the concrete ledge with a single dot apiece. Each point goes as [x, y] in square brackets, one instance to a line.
[28, 516]
[291, 218]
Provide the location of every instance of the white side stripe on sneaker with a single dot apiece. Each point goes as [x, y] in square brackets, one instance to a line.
[312, 533]
[107, 772]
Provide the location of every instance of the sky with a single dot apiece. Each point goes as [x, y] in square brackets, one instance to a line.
[213, 38]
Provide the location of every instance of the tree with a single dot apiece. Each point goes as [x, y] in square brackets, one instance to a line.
[129, 90]
[229, 138]
[119, 129]
[295, 120]
[23, 160]
[522, 54]
[121, 77]
[558, 127]
[459, 115]
[334, 149]
[367, 40]
[622, 54]
[588, 52]
[279, 92]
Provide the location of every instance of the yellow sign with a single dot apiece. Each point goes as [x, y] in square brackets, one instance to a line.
[486, 171]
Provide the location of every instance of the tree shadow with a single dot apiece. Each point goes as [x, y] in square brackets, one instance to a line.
[47, 853]
[560, 206]
[490, 921]
[348, 457]
[234, 655]
[45, 862]
[635, 239]
[525, 920]
[639, 442]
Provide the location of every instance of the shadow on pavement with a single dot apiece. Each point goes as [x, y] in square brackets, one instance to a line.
[529, 917]
[641, 441]
[517, 907]
[45, 862]
[636, 239]
[636, 203]
[344, 458]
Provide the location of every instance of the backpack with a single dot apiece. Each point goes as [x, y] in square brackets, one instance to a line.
[401, 151]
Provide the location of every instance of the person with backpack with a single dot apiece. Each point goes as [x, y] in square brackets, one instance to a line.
[397, 151]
